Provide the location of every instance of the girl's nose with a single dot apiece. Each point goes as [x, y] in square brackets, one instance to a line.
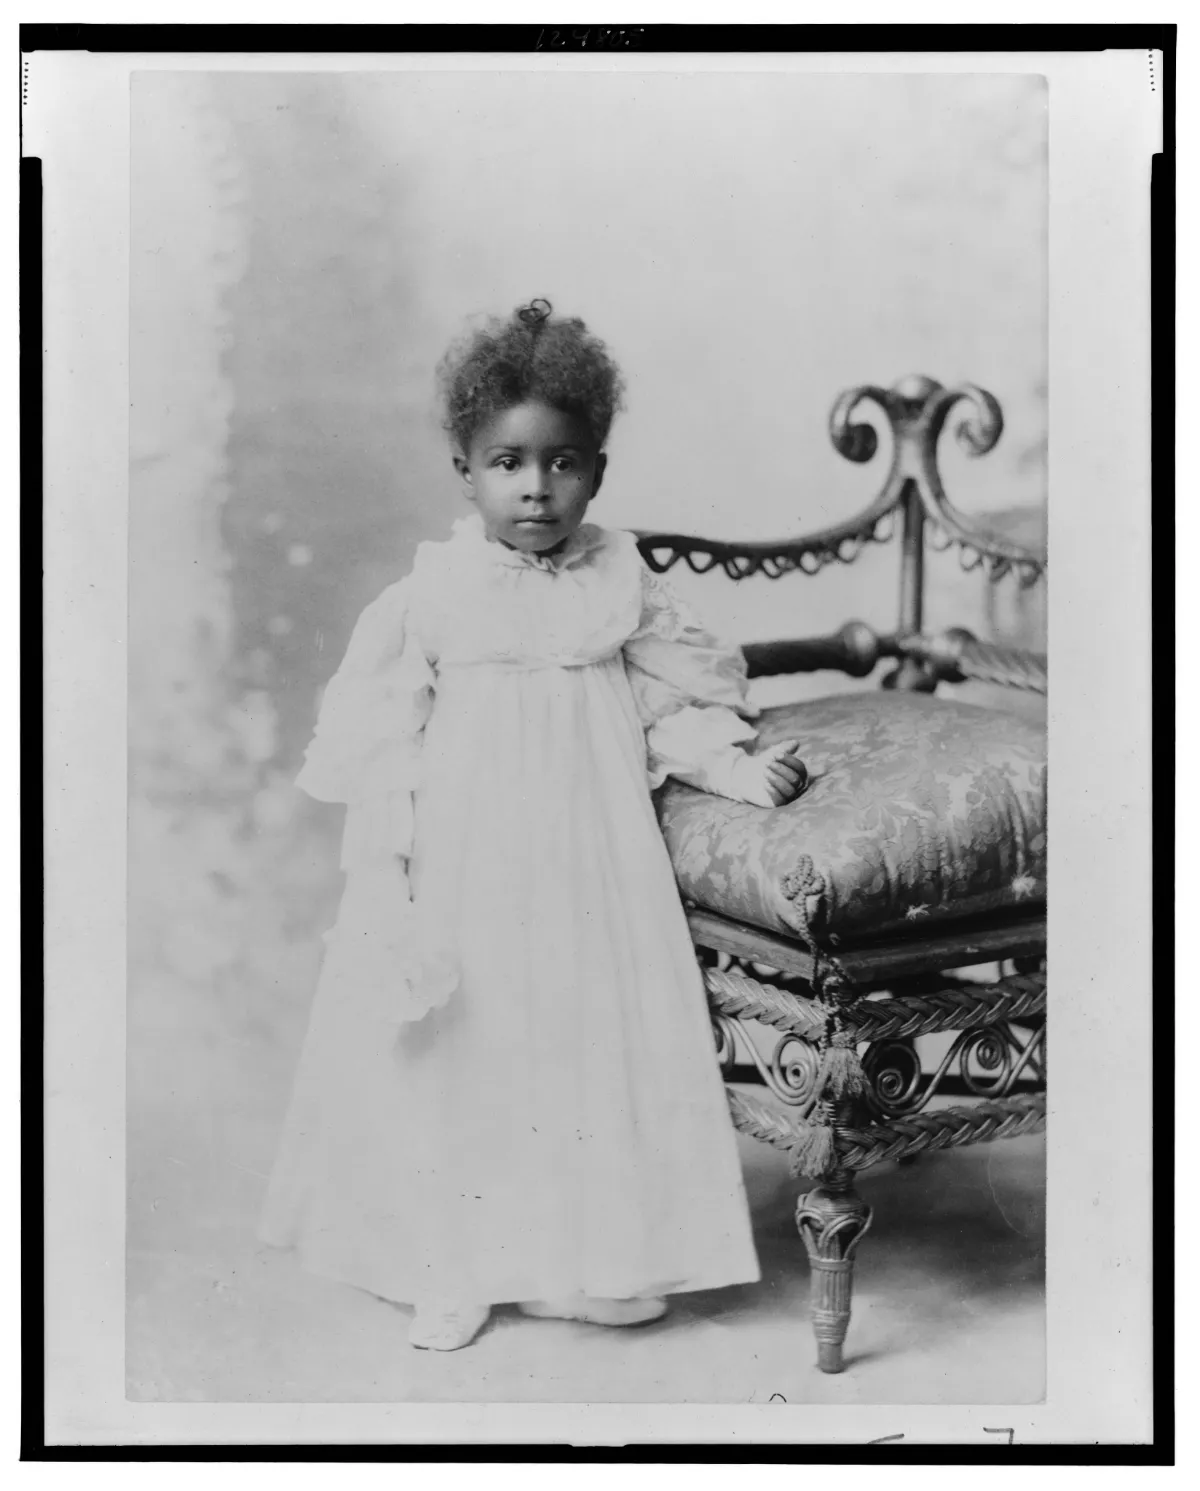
[537, 483]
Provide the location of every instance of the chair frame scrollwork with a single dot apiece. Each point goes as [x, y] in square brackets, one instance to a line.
[908, 987]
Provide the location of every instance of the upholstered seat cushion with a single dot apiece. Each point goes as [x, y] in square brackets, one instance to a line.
[919, 810]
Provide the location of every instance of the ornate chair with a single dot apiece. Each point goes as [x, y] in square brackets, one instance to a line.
[847, 920]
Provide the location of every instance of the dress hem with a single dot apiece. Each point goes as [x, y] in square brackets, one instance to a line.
[519, 1292]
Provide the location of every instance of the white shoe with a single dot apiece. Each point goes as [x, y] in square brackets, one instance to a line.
[595, 1310]
[446, 1327]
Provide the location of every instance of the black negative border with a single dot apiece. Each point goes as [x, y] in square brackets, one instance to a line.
[657, 38]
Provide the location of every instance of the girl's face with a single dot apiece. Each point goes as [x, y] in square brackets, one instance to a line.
[531, 471]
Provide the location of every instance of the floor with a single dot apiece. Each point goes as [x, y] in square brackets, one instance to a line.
[948, 1300]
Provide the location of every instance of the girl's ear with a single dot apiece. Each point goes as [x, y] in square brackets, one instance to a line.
[463, 467]
[599, 469]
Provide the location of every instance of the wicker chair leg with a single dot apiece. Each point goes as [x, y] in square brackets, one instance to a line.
[832, 1220]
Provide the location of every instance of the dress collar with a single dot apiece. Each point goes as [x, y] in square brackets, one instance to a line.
[586, 538]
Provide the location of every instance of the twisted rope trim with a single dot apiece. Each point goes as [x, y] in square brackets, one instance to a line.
[956, 655]
[1003, 665]
[949, 1009]
[745, 998]
[858, 1149]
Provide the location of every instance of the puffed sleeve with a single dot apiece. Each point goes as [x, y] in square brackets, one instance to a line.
[691, 695]
[366, 749]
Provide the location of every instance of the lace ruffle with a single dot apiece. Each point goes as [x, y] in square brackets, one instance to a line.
[469, 533]
[382, 946]
[699, 745]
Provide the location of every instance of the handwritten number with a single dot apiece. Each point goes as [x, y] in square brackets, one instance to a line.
[581, 37]
[890, 1438]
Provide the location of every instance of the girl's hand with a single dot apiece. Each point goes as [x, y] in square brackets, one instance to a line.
[771, 778]
[785, 775]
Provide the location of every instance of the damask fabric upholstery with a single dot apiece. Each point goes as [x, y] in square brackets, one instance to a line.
[919, 810]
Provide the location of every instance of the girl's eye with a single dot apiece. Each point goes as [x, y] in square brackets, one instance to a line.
[507, 463]
[563, 463]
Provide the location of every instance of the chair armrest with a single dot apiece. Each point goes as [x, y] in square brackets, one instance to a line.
[855, 650]
[952, 656]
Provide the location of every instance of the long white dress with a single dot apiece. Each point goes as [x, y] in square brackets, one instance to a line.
[509, 1088]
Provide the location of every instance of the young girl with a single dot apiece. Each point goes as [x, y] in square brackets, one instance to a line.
[509, 1091]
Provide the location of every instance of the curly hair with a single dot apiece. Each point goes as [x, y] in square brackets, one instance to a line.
[532, 355]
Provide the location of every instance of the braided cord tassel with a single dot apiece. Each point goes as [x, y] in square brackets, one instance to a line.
[815, 1152]
[840, 1076]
